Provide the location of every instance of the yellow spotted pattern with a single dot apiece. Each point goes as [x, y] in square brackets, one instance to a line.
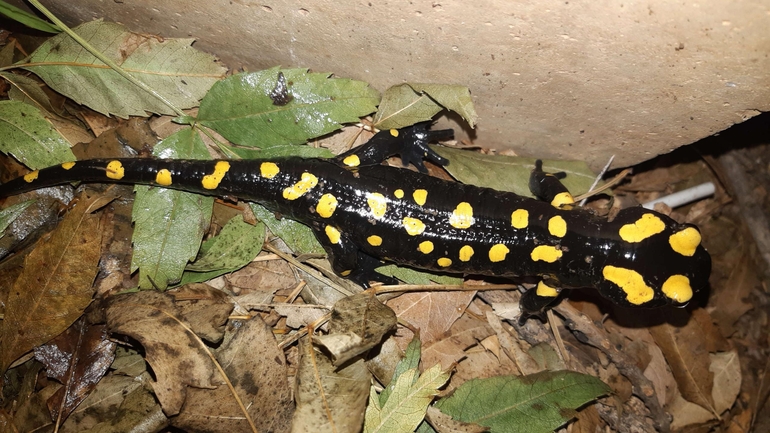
[31, 176]
[420, 196]
[677, 288]
[394, 132]
[646, 226]
[399, 193]
[425, 247]
[462, 216]
[333, 234]
[557, 226]
[520, 218]
[413, 226]
[305, 184]
[466, 252]
[545, 290]
[352, 161]
[374, 240]
[685, 242]
[631, 282]
[211, 181]
[269, 170]
[67, 165]
[545, 253]
[163, 177]
[563, 200]
[347, 272]
[115, 170]
[498, 252]
[377, 204]
[444, 262]
[326, 206]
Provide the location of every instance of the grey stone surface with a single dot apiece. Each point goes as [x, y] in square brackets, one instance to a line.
[558, 79]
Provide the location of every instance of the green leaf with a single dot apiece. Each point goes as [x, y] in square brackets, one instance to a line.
[239, 107]
[411, 360]
[30, 138]
[6, 55]
[171, 66]
[406, 407]
[27, 18]
[8, 215]
[511, 173]
[412, 276]
[540, 402]
[169, 224]
[28, 91]
[298, 237]
[281, 151]
[410, 103]
[233, 248]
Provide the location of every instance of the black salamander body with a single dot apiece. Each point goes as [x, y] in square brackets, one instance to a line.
[363, 212]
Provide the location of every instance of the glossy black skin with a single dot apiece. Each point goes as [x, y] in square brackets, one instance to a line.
[589, 244]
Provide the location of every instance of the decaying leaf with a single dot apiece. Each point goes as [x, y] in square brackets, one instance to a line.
[410, 103]
[255, 365]
[42, 305]
[204, 309]
[329, 399]
[358, 323]
[77, 358]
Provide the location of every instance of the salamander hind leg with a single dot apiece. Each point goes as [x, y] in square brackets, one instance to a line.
[548, 187]
[347, 260]
[537, 300]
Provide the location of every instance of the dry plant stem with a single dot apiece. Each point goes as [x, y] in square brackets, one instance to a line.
[752, 212]
[309, 270]
[596, 181]
[615, 180]
[642, 387]
[403, 288]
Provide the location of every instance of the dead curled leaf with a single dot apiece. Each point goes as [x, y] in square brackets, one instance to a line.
[42, 305]
[178, 357]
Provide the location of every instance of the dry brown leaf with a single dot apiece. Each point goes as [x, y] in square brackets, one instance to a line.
[56, 284]
[433, 313]
[329, 399]
[726, 367]
[176, 356]
[686, 413]
[77, 358]
[204, 309]
[256, 367]
[450, 349]
[358, 323]
[686, 351]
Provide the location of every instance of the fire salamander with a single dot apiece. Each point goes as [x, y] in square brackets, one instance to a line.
[362, 211]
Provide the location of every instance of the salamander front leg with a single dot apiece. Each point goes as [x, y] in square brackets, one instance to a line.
[548, 187]
[347, 260]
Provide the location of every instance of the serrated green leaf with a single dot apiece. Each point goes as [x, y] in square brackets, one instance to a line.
[169, 224]
[239, 107]
[30, 138]
[8, 215]
[298, 237]
[406, 407]
[511, 173]
[413, 276]
[281, 151]
[410, 103]
[540, 402]
[234, 247]
[27, 18]
[411, 360]
[172, 67]
[452, 97]
[27, 90]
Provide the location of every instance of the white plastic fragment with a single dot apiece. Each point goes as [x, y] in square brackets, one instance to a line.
[683, 197]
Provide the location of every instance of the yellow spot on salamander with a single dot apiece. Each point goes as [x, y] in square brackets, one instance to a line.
[425, 247]
[31, 176]
[444, 262]
[631, 282]
[520, 218]
[346, 273]
[115, 170]
[374, 240]
[163, 177]
[305, 184]
[420, 196]
[413, 226]
[462, 216]
[466, 252]
[563, 200]
[394, 132]
[557, 226]
[677, 288]
[211, 181]
[377, 204]
[326, 206]
[352, 161]
[399, 193]
[686, 241]
[333, 234]
[545, 290]
[498, 252]
[646, 226]
[67, 165]
[545, 253]
[269, 170]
